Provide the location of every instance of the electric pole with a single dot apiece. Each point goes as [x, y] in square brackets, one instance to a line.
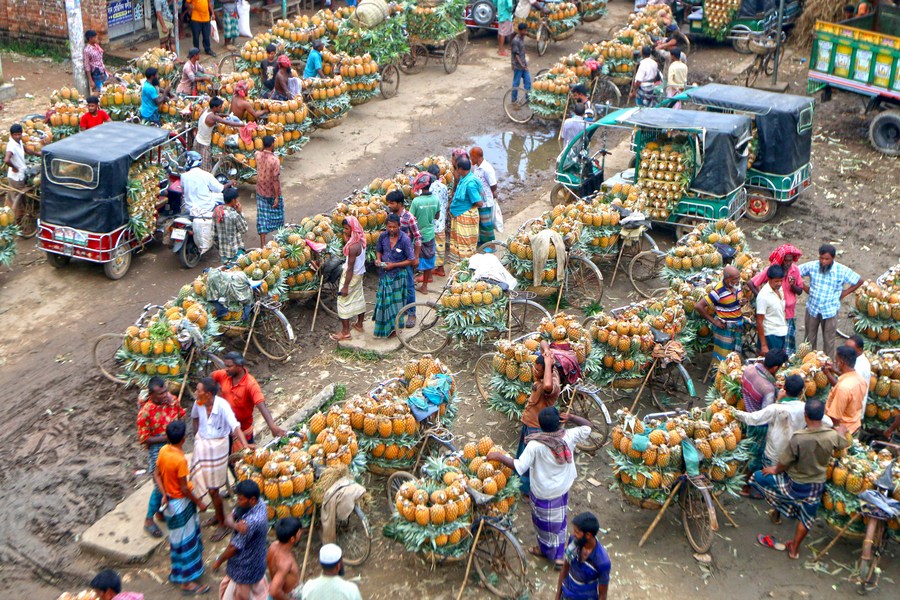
[76, 45]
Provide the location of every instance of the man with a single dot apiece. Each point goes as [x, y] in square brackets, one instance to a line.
[573, 126]
[267, 69]
[15, 160]
[165, 24]
[191, 73]
[722, 308]
[241, 107]
[284, 573]
[759, 391]
[645, 79]
[862, 366]
[520, 63]
[439, 190]
[544, 394]
[198, 187]
[201, 22]
[269, 201]
[548, 457]
[158, 409]
[230, 30]
[94, 115]
[243, 393]
[314, 62]
[674, 40]
[504, 24]
[585, 574]
[424, 209]
[771, 324]
[846, 398]
[108, 585]
[330, 585]
[182, 505]
[229, 225]
[486, 172]
[677, 77]
[410, 226]
[794, 486]
[282, 89]
[580, 94]
[245, 574]
[786, 257]
[827, 279]
[206, 125]
[467, 199]
[152, 96]
[214, 424]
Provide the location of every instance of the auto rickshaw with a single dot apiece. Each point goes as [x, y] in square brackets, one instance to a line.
[779, 168]
[94, 206]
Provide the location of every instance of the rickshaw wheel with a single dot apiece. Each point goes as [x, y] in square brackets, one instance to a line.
[606, 92]
[390, 81]
[500, 561]
[415, 61]
[741, 44]
[685, 225]
[429, 336]
[518, 110]
[645, 272]
[584, 284]
[228, 64]
[761, 206]
[451, 56]
[560, 194]
[105, 348]
[28, 223]
[58, 261]
[588, 405]
[118, 266]
[543, 40]
[695, 519]
[354, 537]
[484, 370]
[393, 486]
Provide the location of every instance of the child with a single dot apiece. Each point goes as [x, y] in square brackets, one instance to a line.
[283, 570]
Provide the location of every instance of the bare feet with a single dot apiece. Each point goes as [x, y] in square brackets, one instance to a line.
[423, 289]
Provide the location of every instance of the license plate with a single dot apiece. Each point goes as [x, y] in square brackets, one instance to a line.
[178, 234]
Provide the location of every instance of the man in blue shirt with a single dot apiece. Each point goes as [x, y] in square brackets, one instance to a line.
[467, 199]
[314, 62]
[827, 279]
[152, 96]
[245, 575]
[585, 574]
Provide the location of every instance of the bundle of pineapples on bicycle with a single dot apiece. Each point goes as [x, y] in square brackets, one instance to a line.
[698, 250]
[550, 92]
[247, 150]
[156, 347]
[369, 208]
[512, 375]
[328, 99]
[717, 435]
[593, 9]
[387, 41]
[489, 477]
[299, 262]
[443, 164]
[9, 233]
[600, 224]
[562, 18]
[64, 117]
[334, 442]
[142, 194]
[166, 63]
[883, 404]
[253, 52]
[665, 171]
[435, 22]
[566, 332]
[717, 17]
[577, 63]
[519, 258]
[362, 77]
[618, 60]
[224, 84]
[810, 365]
[471, 309]
[293, 116]
[850, 473]
[285, 475]
[876, 310]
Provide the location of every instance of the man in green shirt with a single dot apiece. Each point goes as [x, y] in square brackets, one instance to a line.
[795, 485]
[425, 208]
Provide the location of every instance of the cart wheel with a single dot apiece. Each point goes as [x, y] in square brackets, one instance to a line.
[273, 335]
[58, 261]
[496, 247]
[484, 370]
[105, 348]
[543, 39]
[390, 81]
[584, 284]
[415, 61]
[518, 110]
[685, 225]
[189, 255]
[606, 93]
[118, 266]
[525, 316]
[696, 521]
[210, 65]
[463, 39]
[761, 206]
[588, 405]
[500, 561]
[671, 387]
[645, 272]
[228, 64]
[393, 486]
[205, 364]
[226, 166]
[451, 56]
[28, 223]
[429, 336]
[560, 194]
[884, 132]
[354, 537]
[741, 44]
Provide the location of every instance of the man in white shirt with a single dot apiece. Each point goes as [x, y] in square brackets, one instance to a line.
[677, 75]
[548, 456]
[771, 324]
[198, 187]
[486, 173]
[573, 126]
[645, 78]
[214, 424]
[15, 160]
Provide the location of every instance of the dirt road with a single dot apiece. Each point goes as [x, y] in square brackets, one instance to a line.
[68, 446]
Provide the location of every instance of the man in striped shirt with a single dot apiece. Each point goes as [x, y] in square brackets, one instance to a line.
[722, 308]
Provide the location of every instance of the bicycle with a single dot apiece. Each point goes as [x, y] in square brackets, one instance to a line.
[764, 48]
[30, 202]
[269, 329]
[603, 92]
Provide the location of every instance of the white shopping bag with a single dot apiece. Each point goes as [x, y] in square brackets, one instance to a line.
[214, 31]
[203, 233]
[497, 217]
[243, 11]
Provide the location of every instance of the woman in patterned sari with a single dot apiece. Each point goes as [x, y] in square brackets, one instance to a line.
[394, 256]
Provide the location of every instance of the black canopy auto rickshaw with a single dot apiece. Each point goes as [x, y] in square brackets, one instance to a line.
[100, 194]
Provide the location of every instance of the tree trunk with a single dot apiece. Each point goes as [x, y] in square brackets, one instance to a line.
[76, 45]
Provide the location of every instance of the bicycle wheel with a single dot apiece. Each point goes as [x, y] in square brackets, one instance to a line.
[645, 273]
[451, 57]
[868, 569]
[390, 81]
[696, 516]
[543, 39]
[484, 370]
[28, 222]
[228, 64]
[584, 285]
[354, 537]
[206, 363]
[587, 404]
[415, 61]
[393, 486]
[754, 70]
[500, 562]
[225, 166]
[273, 335]
[105, 348]
[671, 387]
[429, 336]
[606, 92]
[496, 246]
[560, 194]
[518, 110]
[525, 316]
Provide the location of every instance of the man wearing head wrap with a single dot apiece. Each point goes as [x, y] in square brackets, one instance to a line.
[351, 301]
[241, 107]
[330, 585]
[786, 257]
[282, 79]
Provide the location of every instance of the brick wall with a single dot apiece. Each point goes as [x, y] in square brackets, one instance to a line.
[44, 21]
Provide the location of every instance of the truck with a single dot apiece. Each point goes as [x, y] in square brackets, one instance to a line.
[748, 18]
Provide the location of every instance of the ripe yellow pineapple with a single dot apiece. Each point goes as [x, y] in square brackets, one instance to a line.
[484, 445]
[410, 370]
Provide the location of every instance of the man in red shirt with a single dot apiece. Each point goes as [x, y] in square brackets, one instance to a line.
[243, 393]
[95, 115]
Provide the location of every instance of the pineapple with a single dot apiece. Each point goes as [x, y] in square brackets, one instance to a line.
[716, 443]
[525, 374]
[649, 455]
[704, 447]
[484, 445]
[410, 370]
[423, 515]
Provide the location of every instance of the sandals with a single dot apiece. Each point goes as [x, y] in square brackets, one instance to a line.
[198, 590]
[769, 542]
[219, 535]
[339, 337]
[153, 530]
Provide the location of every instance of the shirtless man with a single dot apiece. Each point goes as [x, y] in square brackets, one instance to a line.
[282, 79]
[243, 108]
[283, 571]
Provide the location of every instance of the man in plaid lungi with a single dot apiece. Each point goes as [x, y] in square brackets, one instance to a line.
[228, 226]
[269, 202]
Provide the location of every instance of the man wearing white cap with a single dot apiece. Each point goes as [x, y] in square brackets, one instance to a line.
[330, 585]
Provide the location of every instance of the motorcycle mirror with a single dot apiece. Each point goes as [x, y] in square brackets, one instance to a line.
[232, 173]
[164, 163]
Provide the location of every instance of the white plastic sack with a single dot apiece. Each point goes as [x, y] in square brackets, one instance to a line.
[370, 13]
[243, 11]
[203, 234]
[497, 217]
[214, 31]
[523, 8]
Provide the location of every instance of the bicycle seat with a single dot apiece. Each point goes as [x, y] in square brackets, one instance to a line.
[660, 337]
[478, 498]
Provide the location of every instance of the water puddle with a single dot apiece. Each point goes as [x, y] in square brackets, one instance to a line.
[519, 157]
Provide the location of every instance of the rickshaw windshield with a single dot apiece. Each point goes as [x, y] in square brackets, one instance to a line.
[73, 174]
[569, 157]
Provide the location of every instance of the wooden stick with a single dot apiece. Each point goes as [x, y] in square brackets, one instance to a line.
[250, 330]
[836, 538]
[471, 556]
[187, 372]
[643, 383]
[661, 512]
[318, 300]
[724, 512]
[312, 524]
[618, 260]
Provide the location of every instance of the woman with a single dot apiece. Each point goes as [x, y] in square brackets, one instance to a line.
[786, 257]
[351, 301]
[394, 256]
[93, 62]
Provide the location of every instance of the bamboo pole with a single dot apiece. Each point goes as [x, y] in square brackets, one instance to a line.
[836, 538]
[471, 556]
[312, 524]
[724, 512]
[643, 384]
[187, 373]
[318, 300]
[661, 512]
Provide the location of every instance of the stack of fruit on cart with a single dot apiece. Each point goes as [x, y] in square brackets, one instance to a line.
[386, 42]
[143, 194]
[563, 328]
[512, 376]
[884, 392]
[472, 310]
[172, 112]
[664, 173]
[223, 85]
[433, 515]
[491, 477]
[550, 92]
[697, 250]
[35, 135]
[328, 99]
[264, 264]
[253, 52]
[727, 384]
[577, 63]
[223, 133]
[718, 437]
[361, 74]
[8, 233]
[697, 335]
[618, 61]
[591, 10]
[562, 19]
[853, 472]
[430, 22]
[876, 313]
[155, 348]
[293, 115]
[717, 17]
[645, 476]
[166, 64]
[64, 115]
[370, 210]
[285, 476]
[519, 260]
[691, 256]
[334, 441]
[386, 429]
[808, 364]
[299, 263]
[120, 100]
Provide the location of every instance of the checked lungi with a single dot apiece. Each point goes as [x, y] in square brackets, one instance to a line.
[205, 153]
[463, 235]
[485, 225]
[549, 519]
[229, 23]
[793, 500]
[209, 464]
[391, 297]
[268, 217]
[185, 543]
[728, 340]
[791, 342]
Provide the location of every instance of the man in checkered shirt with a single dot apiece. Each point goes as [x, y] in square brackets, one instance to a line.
[827, 279]
[228, 226]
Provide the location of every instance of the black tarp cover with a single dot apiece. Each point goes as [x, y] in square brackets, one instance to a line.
[784, 131]
[756, 8]
[98, 206]
[723, 142]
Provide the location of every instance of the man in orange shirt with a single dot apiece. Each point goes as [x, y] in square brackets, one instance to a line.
[243, 393]
[845, 402]
[94, 116]
[201, 18]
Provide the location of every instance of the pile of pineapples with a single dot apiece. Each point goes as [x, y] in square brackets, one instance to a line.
[719, 438]
[519, 259]
[563, 328]
[264, 264]
[599, 225]
[143, 194]
[298, 262]
[665, 171]
[472, 310]
[697, 251]
[490, 476]
[884, 391]
[284, 475]
[645, 477]
[717, 17]
[512, 376]
[876, 312]
[8, 233]
[809, 365]
[727, 385]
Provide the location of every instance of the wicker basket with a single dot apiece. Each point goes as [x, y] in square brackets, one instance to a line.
[543, 290]
[432, 557]
[621, 79]
[644, 504]
[564, 35]
[853, 536]
[302, 294]
[331, 122]
[626, 384]
[762, 46]
[382, 471]
[232, 330]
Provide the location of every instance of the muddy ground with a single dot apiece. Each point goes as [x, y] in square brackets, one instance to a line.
[68, 442]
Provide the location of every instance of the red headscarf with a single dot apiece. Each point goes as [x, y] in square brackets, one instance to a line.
[357, 235]
[777, 256]
[422, 181]
[241, 88]
[284, 61]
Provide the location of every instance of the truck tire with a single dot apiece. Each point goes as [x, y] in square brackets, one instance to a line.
[884, 132]
[484, 13]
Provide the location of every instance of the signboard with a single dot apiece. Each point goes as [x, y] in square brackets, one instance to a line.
[119, 12]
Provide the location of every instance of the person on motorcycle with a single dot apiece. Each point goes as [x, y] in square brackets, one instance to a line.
[199, 186]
